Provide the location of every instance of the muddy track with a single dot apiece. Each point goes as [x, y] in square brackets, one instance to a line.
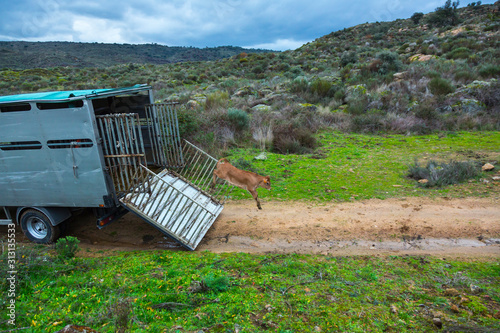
[444, 227]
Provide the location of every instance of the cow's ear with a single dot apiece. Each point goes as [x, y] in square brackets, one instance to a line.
[268, 177]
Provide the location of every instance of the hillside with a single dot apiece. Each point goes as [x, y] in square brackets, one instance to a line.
[25, 55]
[429, 73]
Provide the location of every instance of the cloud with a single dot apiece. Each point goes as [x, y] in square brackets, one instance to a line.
[277, 24]
[280, 45]
[87, 29]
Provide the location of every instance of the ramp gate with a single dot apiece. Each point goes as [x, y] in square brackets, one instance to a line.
[179, 200]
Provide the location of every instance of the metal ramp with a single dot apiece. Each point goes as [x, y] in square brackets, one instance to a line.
[179, 200]
[175, 206]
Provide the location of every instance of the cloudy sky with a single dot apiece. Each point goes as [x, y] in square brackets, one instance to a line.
[270, 24]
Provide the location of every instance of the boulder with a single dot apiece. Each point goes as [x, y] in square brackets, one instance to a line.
[262, 108]
[469, 105]
[192, 104]
[488, 167]
[422, 57]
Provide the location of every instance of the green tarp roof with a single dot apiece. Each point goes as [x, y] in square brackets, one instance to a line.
[69, 95]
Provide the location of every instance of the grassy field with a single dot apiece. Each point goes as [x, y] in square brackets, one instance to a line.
[188, 292]
[164, 291]
[353, 166]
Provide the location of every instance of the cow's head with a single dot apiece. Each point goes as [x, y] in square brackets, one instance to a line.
[266, 183]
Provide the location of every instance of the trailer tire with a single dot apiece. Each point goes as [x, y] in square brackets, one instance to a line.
[37, 228]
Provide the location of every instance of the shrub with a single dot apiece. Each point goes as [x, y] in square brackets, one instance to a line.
[216, 283]
[217, 99]
[416, 17]
[459, 53]
[490, 70]
[348, 57]
[444, 16]
[442, 174]
[299, 85]
[322, 88]
[465, 76]
[390, 62]
[67, 247]
[291, 139]
[238, 119]
[440, 86]
[188, 121]
[367, 123]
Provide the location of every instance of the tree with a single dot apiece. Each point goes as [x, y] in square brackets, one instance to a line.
[416, 17]
[444, 16]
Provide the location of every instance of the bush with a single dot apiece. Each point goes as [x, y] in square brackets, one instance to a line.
[217, 99]
[67, 247]
[290, 139]
[459, 53]
[322, 88]
[444, 16]
[442, 174]
[488, 71]
[348, 57]
[440, 86]
[416, 17]
[238, 119]
[389, 62]
[216, 283]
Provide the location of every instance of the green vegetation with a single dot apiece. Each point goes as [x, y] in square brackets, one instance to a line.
[349, 116]
[400, 77]
[357, 167]
[180, 291]
[442, 174]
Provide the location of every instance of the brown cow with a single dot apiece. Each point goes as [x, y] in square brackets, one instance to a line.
[246, 180]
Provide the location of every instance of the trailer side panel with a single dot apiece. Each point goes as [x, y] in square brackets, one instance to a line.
[49, 156]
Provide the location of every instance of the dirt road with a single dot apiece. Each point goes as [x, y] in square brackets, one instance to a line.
[456, 227]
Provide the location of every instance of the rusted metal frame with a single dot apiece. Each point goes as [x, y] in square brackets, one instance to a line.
[156, 188]
[116, 147]
[196, 232]
[105, 147]
[173, 147]
[124, 130]
[154, 136]
[202, 171]
[138, 144]
[190, 221]
[170, 190]
[178, 199]
[120, 182]
[181, 215]
[208, 174]
[175, 136]
[195, 165]
[146, 196]
[163, 185]
[165, 134]
[185, 170]
[190, 218]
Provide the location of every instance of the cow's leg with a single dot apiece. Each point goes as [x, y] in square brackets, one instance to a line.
[214, 180]
[254, 195]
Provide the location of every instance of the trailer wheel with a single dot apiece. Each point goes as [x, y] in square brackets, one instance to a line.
[37, 227]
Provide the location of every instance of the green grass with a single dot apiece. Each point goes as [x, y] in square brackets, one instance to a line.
[166, 291]
[353, 167]
[152, 292]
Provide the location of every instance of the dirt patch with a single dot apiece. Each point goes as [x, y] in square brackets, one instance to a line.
[446, 227]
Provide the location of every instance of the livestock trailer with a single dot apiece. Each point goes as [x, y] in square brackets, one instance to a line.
[111, 150]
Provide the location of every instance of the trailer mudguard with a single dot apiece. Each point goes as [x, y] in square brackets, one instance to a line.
[56, 215]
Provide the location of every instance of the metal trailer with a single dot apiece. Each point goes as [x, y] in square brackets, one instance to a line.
[112, 150]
